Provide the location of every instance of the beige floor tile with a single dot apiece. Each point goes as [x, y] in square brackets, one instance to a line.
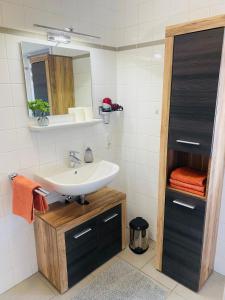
[214, 287]
[75, 290]
[136, 260]
[188, 294]
[174, 296]
[150, 270]
[38, 288]
[30, 289]
[47, 283]
[212, 290]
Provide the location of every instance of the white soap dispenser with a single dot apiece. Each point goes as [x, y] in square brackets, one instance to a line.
[88, 155]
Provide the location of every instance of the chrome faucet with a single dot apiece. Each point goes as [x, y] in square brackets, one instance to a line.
[73, 159]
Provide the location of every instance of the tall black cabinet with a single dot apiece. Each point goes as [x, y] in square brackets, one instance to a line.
[193, 113]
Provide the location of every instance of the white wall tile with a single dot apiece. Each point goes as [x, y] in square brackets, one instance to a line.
[25, 137]
[5, 251]
[9, 162]
[1, 14]
[19, 95]
[199, 13]
[139, 83]
[179, 6]
[8, 140]
[12, 15]
[28, 157]
[199, 4]
[146, 11]
[15, 71]
[7, 118]
[145, 32]
[20, 116]
[4, 71]
[13, 48]
[2, 46]
[217, 9]
[131, 35]
[36, 16]
[5, 95]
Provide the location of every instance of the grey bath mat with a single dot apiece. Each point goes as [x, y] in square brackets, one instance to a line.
[121, 282]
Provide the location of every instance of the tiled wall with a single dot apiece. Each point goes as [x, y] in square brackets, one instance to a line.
[145, 20]
[137, 135]
[23, 152]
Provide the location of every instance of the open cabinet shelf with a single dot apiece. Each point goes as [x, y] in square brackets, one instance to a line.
[199, 162]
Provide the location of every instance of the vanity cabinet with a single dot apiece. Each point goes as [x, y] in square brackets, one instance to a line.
[92, 243]
[193, 118]
[73, 240]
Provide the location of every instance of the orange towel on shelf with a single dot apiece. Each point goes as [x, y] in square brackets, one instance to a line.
[177, 187]
[25, 199]
[188, 185]
[189, 175]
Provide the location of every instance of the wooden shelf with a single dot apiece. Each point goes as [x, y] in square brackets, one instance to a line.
[64, 125]
[186, 193]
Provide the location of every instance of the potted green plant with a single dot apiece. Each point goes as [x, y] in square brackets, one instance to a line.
[40, 110]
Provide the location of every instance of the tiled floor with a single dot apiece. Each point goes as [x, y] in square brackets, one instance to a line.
[38, 288]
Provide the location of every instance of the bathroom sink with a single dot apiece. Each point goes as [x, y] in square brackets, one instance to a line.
[85, 179]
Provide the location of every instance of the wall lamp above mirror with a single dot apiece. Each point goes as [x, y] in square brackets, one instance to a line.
[65, 31]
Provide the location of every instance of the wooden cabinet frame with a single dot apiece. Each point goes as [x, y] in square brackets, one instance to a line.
[217, 161]
[50, 231]
[39, 58]
[60, 81]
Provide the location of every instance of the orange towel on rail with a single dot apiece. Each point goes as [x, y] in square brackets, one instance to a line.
[190, 176]
[25, 199]
[188, 186]
[181, 188]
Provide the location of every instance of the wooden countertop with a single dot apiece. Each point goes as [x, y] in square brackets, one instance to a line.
[62, 216]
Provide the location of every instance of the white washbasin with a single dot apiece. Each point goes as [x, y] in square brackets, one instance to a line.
[85, 179]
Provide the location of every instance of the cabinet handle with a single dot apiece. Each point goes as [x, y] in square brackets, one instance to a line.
[183, 204]
[110, 218]
[76, 236]
[188, 142]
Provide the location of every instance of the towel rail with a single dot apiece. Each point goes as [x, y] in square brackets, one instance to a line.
[39, 191]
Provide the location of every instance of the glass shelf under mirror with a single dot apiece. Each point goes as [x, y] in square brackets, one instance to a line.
[64, 125]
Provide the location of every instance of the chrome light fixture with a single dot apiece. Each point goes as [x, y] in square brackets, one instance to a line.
[59, 35]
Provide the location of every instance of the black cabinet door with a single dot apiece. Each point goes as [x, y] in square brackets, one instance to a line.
[195, 74]
[92, 243]
[183, 238]
[81, 251]
[110, 233]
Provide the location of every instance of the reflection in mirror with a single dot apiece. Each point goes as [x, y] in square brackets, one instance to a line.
[59, 76]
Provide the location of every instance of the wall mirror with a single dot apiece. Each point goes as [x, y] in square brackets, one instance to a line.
[59, 76]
